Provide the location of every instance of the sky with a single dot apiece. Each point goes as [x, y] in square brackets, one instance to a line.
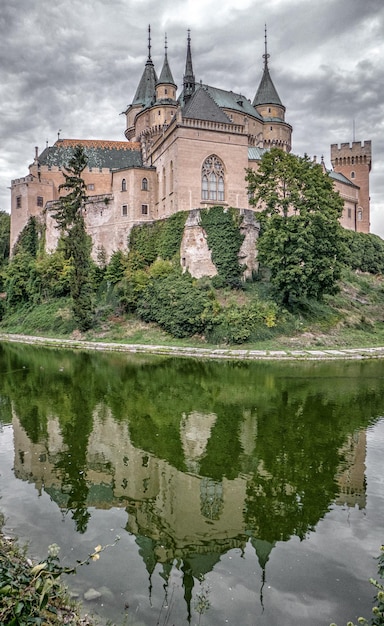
[69, 68]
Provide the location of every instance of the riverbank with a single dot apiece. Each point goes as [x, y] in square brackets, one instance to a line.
[198, 352]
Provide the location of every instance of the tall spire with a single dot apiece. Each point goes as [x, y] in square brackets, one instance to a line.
[266, 93]
[166, 77]
[146, 91]
[189, 77]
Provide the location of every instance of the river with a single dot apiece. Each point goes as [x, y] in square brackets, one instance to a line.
[241, 493]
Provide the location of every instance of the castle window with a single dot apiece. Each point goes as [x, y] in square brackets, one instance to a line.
[124, 210]
[18, 202]
[212, 179]
[40, 201]
[123, 185]
[165, 91]
[349, 213]
[171, 176]
[144, 209]
[91, 187]
[359, 215]
[144, 184]
[352, 174]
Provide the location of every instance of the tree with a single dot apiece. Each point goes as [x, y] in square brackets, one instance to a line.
[68, 212]
[301, 242]
[5, 226]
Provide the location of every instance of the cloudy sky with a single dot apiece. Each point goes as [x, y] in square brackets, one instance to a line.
[72, 66]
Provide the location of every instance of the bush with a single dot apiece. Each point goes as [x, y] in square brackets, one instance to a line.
[176, 303]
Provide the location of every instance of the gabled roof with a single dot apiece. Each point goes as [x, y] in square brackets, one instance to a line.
[341, 178]
[201, 106]
[231, 100]
[100, 154]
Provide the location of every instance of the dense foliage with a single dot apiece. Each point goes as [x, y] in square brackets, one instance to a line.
[224, 240]
[301, 242]
[68, 213]
[301, 252]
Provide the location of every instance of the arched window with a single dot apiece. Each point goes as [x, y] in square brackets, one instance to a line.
[123, 185]
[352, 174]
[359, 215]
[144, 184]
[212, 179]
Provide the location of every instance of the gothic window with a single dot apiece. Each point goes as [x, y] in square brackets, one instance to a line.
[144, 184]
[123, 185]
[212, 179]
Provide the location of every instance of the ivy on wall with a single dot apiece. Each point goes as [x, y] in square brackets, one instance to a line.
[222, 227]
[159, 239]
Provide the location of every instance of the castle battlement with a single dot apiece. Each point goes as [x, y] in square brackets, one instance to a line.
[352, 149]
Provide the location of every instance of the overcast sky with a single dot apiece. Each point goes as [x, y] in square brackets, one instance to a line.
[72, 66]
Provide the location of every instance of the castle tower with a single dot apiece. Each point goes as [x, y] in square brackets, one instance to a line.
[145, 94]
[267, 102]
[355, 162]
[189, 77]
[166, 86]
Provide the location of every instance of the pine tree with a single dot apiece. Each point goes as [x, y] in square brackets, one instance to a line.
[68, 213]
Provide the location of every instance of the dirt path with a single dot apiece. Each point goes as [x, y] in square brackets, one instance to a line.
[201, 353]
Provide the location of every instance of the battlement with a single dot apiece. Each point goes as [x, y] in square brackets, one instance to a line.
[357, 153]
[356, 148]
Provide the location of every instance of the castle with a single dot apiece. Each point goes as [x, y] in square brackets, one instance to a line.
[181, 153]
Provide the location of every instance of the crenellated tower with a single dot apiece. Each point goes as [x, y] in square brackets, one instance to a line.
[355, 161]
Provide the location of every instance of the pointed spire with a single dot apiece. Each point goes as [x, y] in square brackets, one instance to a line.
[266, 93]
[146, 91]
[166, 77]
[189, 77]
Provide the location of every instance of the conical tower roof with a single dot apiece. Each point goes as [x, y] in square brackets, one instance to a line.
[266, 93]
[166, 77]
[146, 91]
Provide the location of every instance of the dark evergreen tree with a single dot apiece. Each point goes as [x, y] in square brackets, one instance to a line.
[68, 212]
[301, 242]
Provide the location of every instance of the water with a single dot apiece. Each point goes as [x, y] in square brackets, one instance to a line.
[242, 493]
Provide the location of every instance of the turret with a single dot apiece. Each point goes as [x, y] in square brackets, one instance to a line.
[145, 93]
[267, 101]
[355, 162]
[189, 77]
[166, 86]
[277, 132]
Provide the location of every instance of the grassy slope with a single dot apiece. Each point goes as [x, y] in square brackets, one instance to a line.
[352, 318]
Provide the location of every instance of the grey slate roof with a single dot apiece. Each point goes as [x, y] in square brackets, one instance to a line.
[266, 93]
[145, 93]
[100, 154]
[227, 100]
[166, 77]
[341, 178]
[201, 106]
[255, 154]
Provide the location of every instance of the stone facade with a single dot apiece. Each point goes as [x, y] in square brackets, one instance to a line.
[181, 154]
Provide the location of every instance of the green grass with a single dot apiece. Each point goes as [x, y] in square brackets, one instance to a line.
[352, 318]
